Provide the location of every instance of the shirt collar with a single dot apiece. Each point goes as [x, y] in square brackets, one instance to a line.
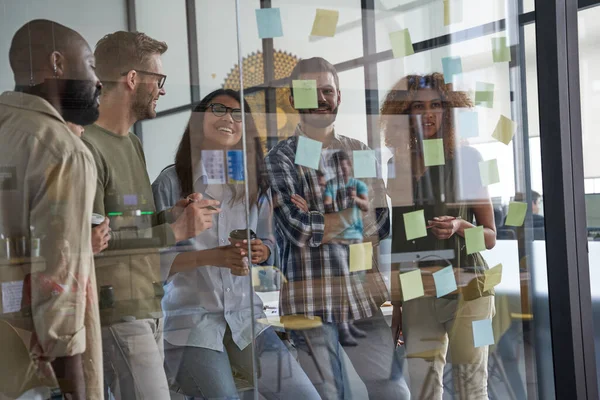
[299, 132]
[199, 174]
[30, 102]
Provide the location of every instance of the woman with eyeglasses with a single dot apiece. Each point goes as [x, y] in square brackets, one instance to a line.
[435, 174]
[207, 301]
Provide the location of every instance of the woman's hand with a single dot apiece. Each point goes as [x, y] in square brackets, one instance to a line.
[444, 227]
[300, 202]
[235, 259]
[260, 251]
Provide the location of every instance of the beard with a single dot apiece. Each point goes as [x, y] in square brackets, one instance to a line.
[318, 120]
[79, 101]
[142, 106]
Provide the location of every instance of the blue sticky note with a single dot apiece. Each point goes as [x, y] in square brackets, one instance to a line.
[451, 66]
[364, 164]
[308, 152]
[483, 334]
[235, 166]
[468, 124]
[445, 282]
[269, 23]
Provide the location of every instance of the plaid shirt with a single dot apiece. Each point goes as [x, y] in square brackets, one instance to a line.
[319, 282]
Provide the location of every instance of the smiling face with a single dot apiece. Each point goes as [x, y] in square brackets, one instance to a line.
[147, 91]
[221, 132]
[328, 98]
[427, 112]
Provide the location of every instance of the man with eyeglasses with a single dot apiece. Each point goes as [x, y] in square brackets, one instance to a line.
[129, 275]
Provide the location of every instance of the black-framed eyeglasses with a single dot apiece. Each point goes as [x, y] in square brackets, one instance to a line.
[161, 81]
[220, 110]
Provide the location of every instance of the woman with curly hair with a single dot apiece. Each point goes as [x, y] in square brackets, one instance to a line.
[416, 113]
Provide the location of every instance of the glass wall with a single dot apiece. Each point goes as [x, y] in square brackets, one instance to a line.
[289, 199]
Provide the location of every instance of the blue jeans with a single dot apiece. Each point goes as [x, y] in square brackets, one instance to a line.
[206, 374]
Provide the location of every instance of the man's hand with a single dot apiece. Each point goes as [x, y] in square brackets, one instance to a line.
[260, 251]
[195, 219]
[362, 204]
[100, 236]
[235, 259]
[299, 202]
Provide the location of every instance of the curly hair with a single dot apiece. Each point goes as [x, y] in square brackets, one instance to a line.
[399, 100]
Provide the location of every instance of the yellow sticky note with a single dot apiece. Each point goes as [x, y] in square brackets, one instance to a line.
[433, 152]
[414, 225]
[401, 43]
[305, 94]
[325, 23]
[412, 285]
[474, 240]
[452, 12]
[488, 171]
[492, 277]
[361, 256]
[505, 130]
[516, 213]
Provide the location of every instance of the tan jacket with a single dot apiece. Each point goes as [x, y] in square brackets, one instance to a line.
[47, 187]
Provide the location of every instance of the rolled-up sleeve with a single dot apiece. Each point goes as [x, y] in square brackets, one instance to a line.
[299, 227]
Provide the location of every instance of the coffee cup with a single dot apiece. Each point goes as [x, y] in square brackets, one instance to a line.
[97, 219]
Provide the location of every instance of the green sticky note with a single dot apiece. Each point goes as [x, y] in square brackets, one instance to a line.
[305, 94]
[308, 152]
[361, 256]
[451, 66]
[325, 23]
[500, 51]
[412, 285]
[484, 94]
[475, 240]
[433, 152]
[401, 43]
[483, 334]
[492, 277]
[488, 172]
[414, 225]
[453, 12]
[516, 213]
[364, 164]
[505, 130]
[269, 23]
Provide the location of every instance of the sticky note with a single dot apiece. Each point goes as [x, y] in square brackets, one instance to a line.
[451, 66]
[308, 152]
[492, 277]
[488, 172]
[305, 94]
[235, 166]
[484, 94]
[401, 43]
[505, 130]
[412, 285]
[468, 124]
[325, 23]
[452, 12]
[483, 335]
[516, 213]
[361, 256]
[500, 51]
[364, 164]
[414, 225]
[433, 152]
[269, 23]
[445, 282]
[474, 240]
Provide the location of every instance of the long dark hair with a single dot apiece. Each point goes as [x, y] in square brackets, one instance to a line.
[187, 153]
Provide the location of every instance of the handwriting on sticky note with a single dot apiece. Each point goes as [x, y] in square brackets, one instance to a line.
[451, 66]
[488, 172]
[305, 94]
[445, 282]
[12, 294]
[453, 11]
[484, 94]
[492, 277]
[361, 256]
[412, 285]
[269, 23]
[516, 213]
[468, 124]
[500, 51]
[308, 152]
[475, 240]
[433, 152]
[483, 334]
[505, 130]
[414, 225]
[325, 23]
[401, 43]
[364, 164]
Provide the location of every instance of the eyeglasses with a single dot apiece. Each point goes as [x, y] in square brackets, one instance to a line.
[161, 81]
[220, 110]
